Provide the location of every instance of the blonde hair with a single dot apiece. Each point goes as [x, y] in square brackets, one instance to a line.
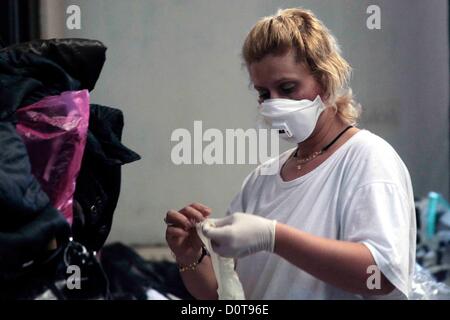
[314, 45]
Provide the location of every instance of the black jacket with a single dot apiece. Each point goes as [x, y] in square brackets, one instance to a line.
[28, 73]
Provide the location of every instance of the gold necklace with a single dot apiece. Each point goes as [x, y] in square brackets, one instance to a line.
[315, 154]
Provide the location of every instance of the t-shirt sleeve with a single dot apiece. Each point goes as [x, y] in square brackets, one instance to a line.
[235, 204]
[378, 215]
[238, 203]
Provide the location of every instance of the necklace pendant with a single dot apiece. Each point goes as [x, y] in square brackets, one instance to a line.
[299, 167]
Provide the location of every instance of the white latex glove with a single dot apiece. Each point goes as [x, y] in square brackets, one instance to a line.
[241, 234]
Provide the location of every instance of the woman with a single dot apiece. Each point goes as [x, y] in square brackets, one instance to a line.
[337, 221]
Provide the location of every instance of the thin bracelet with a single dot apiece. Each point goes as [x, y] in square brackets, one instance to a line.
[193, 266]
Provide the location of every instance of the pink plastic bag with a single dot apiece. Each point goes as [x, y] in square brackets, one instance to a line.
[54, 131]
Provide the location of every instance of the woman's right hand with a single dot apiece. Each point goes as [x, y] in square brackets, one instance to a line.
[181, 234]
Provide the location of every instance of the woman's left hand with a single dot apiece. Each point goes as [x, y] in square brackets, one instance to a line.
[241, 234]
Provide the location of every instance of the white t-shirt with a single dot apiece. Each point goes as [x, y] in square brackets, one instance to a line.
[361, 193]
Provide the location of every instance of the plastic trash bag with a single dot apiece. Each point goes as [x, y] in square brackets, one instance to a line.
[425, 287]
[54, 131]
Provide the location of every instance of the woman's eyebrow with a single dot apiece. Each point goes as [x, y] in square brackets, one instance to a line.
[285, 79]
[259, 88]
[277, 82]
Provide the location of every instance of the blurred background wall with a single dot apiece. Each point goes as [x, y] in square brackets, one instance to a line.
[172, 62]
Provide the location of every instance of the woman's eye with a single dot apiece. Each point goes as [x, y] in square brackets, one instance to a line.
[288, 88]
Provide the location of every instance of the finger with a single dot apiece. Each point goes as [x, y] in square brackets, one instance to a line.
[192, 214]
[204, 210]
[175, 236]
[174, 232]
[221, 222]
[177, 219]
[211, 221]
[218, 235]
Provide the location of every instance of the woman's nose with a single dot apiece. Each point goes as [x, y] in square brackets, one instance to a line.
[275, 95]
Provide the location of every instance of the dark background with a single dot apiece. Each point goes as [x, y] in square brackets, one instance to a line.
[19, 21]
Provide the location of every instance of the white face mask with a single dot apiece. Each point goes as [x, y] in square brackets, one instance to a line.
[296, 118]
